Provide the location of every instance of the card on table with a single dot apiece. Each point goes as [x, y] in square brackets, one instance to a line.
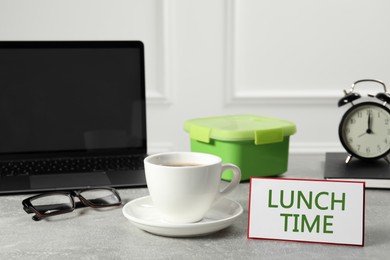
[307, 210]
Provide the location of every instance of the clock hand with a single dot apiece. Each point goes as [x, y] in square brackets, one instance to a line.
[362, 134]
[369, 130]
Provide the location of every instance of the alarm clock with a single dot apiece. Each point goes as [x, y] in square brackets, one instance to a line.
[364, 130]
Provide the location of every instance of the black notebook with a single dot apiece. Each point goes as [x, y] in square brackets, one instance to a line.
[375, 174]
[73, 115]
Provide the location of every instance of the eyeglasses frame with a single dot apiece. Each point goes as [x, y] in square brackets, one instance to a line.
[29, 208]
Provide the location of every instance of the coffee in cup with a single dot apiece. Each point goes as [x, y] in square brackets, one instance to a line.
[184, 185]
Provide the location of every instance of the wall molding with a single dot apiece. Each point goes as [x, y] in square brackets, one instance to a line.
[236, 93]
[315, 147]
[300, 97]
[160, 94]
[295, 148]
[160, 147]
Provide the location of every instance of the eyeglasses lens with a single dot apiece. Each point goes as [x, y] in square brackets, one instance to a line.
[100, 197]
[52, 203]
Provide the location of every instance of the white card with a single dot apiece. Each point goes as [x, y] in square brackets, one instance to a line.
[307, 210]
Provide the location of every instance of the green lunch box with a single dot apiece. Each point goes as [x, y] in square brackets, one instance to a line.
[256, 144]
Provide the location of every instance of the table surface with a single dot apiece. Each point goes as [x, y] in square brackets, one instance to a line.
[107, 234]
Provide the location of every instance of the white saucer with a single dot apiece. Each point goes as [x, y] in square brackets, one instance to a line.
[143, 214]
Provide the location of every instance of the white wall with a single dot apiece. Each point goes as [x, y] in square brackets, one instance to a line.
[281, 58]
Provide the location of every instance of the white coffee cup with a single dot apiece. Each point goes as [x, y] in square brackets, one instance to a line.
[184, 185]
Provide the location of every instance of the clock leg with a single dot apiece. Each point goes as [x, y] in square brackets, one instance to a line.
[348, 159]
[387, 159]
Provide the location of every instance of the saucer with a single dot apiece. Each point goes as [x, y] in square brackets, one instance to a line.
[143, 214]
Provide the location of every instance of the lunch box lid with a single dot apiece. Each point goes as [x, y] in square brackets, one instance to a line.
[263, 130]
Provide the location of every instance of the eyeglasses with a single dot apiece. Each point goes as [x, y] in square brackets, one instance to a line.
[56, 203]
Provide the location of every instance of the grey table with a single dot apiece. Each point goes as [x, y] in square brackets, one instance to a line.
[107, 234]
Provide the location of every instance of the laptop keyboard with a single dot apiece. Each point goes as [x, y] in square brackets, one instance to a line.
[70, 165]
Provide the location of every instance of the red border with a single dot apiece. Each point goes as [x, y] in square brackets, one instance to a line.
[309, 180]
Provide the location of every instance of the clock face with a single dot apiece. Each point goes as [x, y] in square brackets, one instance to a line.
[364, 130]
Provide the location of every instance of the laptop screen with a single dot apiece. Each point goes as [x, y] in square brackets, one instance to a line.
[72, 96]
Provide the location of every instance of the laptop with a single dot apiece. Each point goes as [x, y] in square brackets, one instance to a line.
[72, 115]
